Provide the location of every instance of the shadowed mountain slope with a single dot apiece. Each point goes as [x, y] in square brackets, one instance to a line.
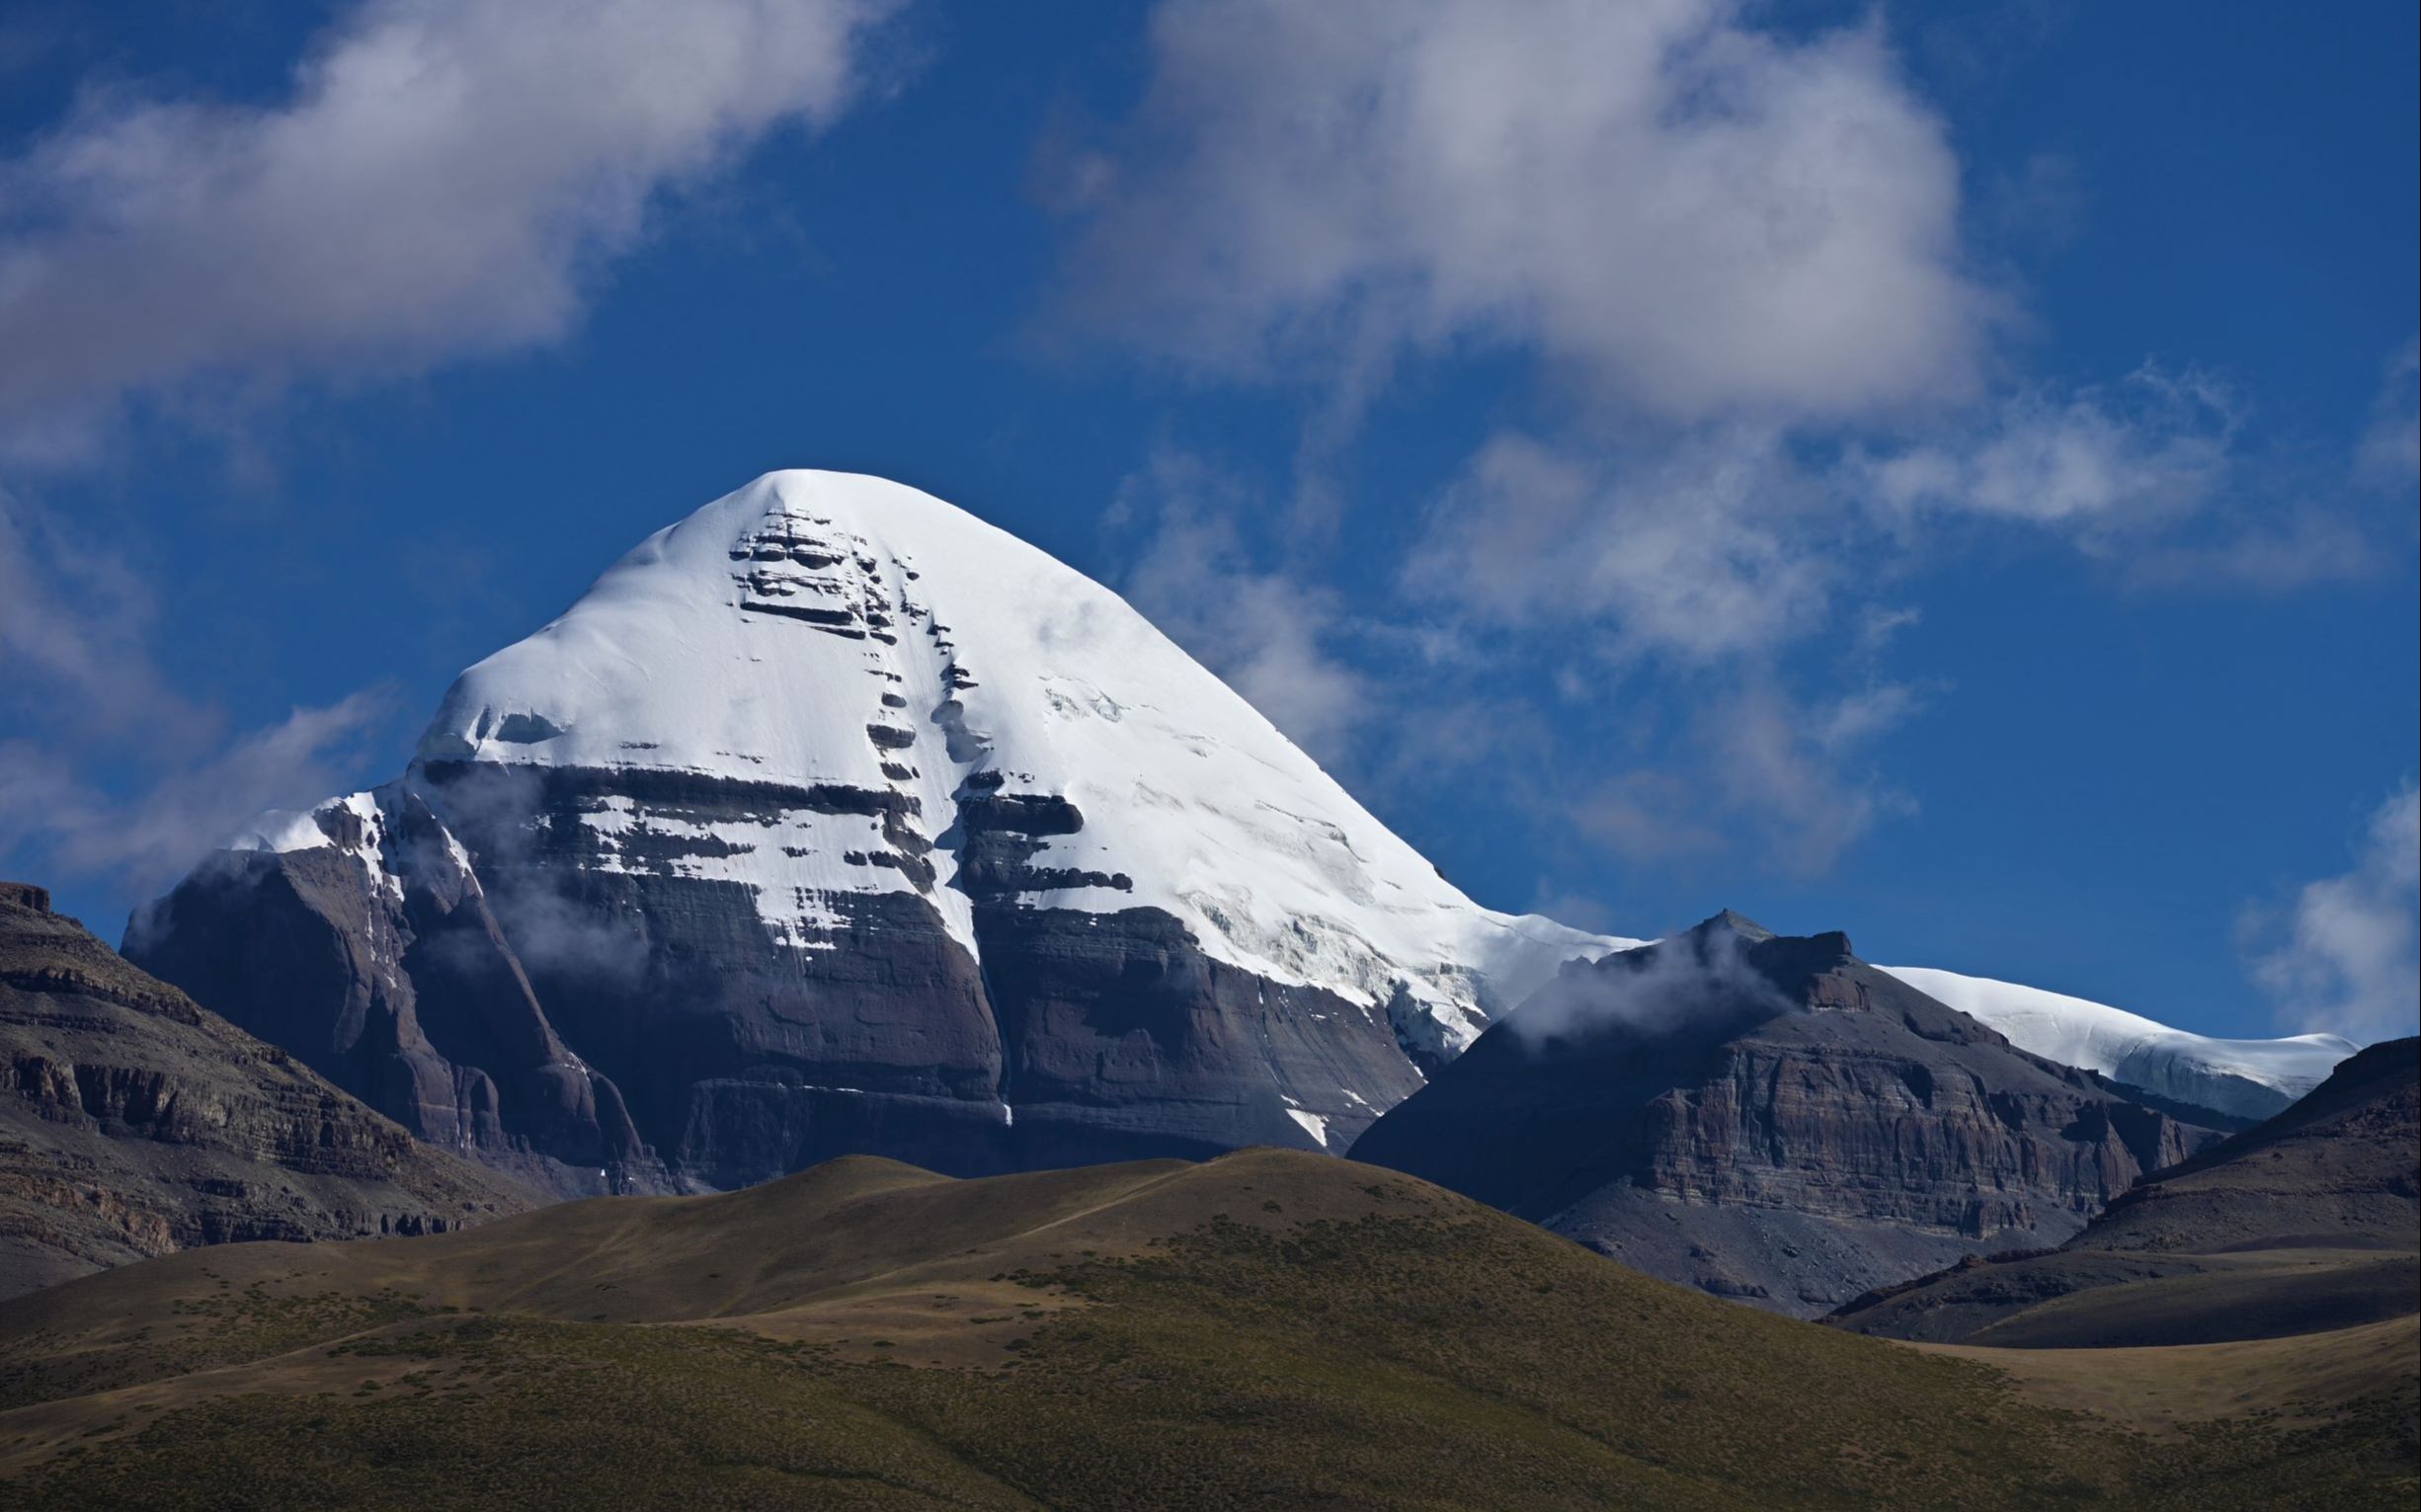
[1773, 1120]
[2308, 1222]
[134, 1121]
[1268, 1329]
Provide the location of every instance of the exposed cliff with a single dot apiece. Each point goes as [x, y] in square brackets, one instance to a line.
[1771, 1119]
[134, 1123]
[2310, 1221]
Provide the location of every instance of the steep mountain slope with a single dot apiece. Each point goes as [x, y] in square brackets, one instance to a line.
[2246, 1079]
[1770, 1119]
[2308, 1222]
[1270, 1329]
[134, 1123]
[833, 819]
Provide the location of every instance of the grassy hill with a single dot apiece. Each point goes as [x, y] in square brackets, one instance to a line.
[1266, 1330]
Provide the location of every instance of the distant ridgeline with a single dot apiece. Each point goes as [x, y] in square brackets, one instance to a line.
[2307, 1222]
[1770, 1119]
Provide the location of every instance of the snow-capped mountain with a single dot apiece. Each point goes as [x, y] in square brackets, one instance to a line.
[2250, 1078]
[823, 631]
[833, 818]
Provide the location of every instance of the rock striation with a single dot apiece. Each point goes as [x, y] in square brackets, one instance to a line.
[2308, 1222]
[1771, 1119]
[135, 1122]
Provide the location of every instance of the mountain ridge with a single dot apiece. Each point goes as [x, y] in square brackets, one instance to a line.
[136, 1123]
[2308, 1220]
[1771, 1119]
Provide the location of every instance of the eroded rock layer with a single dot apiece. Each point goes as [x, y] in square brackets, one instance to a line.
[1773, 1120]
[134, 1123]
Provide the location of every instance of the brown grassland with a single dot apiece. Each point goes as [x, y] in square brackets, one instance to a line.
[1266, 1330]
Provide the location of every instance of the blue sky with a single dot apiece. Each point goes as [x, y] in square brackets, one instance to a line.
[1944, 472]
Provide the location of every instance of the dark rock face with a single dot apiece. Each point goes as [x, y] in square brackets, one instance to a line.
[1119, 1033]
[378, 961]
[571, 1004]
[2309, 1220]
[133, 1123]
[1771, 1119]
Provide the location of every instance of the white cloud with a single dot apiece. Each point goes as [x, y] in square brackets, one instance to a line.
[2149, 450]
[1739, 253]
[1697, 551]
[54, 823]
[73, 625]
[1699, 218]
[443, 179]
[2350, 961]
[83, 689]
[1693, 979]
[1266, 634]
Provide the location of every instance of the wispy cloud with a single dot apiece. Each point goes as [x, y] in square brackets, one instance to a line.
[2149, 450]
[444, 178]
[54, 823]
[1795, 779]
[1694, 552]
[1736, 253]
[2343, 956]
[441, 179]
[74, 626]
[1268, 634]
[2390, 449]
[83, 691]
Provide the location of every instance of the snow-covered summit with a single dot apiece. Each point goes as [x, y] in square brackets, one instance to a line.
[823, 631]
[2251, 1079]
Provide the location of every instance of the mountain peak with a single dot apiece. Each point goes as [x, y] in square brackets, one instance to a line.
[892, 804]
[1729, 922]
[852, 637]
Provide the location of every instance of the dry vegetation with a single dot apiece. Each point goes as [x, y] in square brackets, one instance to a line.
[1268, 1329]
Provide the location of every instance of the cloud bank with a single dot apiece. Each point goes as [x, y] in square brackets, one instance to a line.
[1734, 250]
[1698, 218]
[2349, 961]
[444, 178]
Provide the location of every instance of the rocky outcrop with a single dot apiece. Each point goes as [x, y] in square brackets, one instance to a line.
[375, 957]
[544, 979]
[1771, 1119]
[133, 1122]
[2310, 1221]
